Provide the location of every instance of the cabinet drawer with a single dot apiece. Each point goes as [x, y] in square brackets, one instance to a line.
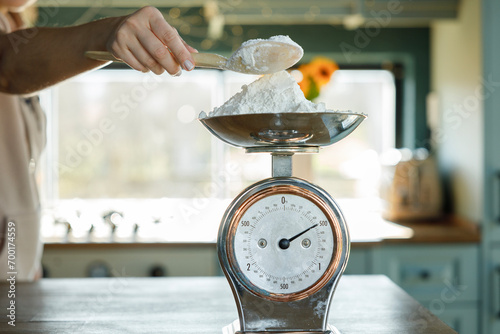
[492, 302]
[463, 319]
[441, 274]
[132, 262]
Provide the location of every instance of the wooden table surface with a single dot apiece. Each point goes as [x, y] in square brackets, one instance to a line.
[362, 304]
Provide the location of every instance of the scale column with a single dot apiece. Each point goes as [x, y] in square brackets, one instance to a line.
[282, 164]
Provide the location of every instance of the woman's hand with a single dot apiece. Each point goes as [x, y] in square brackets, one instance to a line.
[145, 41]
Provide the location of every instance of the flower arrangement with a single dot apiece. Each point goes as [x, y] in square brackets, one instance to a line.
[315, 75]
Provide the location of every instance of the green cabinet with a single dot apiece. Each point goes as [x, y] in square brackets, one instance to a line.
[491, 178]
[359, 262]
[442, 277]
[439, 275]
[492, 306]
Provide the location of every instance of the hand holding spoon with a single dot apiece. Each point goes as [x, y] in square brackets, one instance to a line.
[257, 56]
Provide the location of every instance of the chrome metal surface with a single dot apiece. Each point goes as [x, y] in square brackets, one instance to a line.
[282, 149]
[268, 132]
[305, 310]
[282, 164]
[234, 328]
[282, 286]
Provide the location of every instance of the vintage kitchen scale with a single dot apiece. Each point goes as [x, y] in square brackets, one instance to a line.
[283, 243]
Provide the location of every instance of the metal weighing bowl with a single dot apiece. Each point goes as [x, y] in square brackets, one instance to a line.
[294, 131]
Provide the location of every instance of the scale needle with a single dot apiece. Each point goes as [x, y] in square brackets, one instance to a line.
[285, 243]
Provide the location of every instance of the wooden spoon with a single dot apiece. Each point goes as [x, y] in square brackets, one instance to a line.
[253, 57]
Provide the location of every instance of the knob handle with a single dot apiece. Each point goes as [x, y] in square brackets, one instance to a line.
[425, 274]
[158, 271]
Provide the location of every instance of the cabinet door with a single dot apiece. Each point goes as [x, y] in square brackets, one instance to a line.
[438, 274]
[492, 307]
[462, 319]
[443, 278]
[131, 262]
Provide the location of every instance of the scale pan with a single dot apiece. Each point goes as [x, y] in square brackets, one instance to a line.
[291, 129]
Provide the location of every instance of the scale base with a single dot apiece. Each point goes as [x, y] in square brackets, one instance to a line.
[234, 328]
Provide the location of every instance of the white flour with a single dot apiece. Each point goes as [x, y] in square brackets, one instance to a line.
[272, 93]
[254, 49]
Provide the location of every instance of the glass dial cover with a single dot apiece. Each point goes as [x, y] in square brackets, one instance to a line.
[284, 242]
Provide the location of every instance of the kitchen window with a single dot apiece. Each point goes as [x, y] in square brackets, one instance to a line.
[119, 134]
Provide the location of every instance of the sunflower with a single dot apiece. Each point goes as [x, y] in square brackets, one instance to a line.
[315, 75]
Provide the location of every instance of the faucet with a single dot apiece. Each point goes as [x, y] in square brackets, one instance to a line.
[68, 227]
[113, 218]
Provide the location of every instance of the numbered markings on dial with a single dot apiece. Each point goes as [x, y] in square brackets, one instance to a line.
[283, 243]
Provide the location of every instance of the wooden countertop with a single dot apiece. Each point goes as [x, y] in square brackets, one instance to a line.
[448, 229]
[362, 304]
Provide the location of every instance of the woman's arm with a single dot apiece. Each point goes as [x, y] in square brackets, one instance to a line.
[36, 58]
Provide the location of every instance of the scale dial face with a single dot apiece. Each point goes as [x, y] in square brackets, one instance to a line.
[284, 242]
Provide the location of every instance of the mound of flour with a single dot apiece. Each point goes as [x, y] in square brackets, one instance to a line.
[272, 93]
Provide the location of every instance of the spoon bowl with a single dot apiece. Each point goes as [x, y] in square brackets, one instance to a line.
[260, 56]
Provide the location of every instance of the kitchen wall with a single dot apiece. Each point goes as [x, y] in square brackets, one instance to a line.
[457, 107]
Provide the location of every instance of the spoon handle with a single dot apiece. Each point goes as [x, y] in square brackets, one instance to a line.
[102, 55]
[208, 60]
